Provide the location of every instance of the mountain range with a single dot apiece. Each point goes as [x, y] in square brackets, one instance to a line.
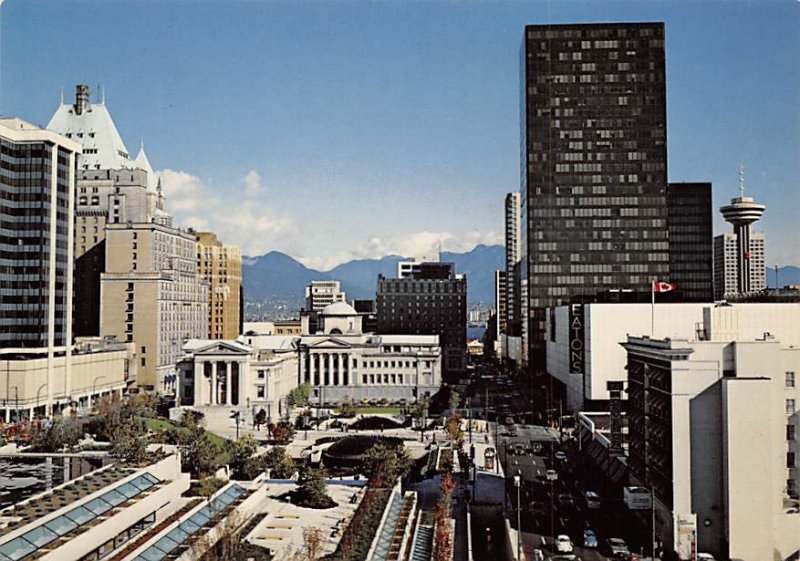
[278, 277]
[786, 275]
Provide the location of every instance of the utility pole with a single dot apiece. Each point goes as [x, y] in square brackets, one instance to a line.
[469, 409]
[519, 519]
[653, 520]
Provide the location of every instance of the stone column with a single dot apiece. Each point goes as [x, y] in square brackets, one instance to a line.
[339, 379]
[228, 384]
[213, 399]
[199, 380]
[329, 370]
[301, 372]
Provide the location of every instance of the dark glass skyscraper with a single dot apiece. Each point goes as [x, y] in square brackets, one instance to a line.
[690, 240]
[593, 163]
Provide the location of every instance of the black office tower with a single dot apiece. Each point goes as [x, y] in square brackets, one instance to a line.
[431, 301]
[690, 240]
[593, 164]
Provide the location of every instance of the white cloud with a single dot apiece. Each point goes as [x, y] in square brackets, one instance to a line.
[247, 222]
[185, 191]
[252, 183]
[254, 227]
[424, 244]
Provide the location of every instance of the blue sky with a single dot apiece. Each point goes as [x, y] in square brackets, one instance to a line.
[337, 130]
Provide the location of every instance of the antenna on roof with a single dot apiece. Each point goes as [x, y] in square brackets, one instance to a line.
[741, 180]
[141, 144]
[62, 95]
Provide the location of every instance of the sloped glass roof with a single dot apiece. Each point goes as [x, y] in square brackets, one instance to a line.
[31, 541]
[183, 531]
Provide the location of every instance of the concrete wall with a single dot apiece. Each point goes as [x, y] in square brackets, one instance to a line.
[91, 373]
[750, 496]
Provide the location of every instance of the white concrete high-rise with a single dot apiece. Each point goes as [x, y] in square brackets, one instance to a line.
[726, 264]
[742, 212]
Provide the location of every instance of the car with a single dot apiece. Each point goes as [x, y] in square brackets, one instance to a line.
[566, 501]
[615, 546]
[509, 420]
[563, 544]
[589, 538]
[512, 430]
[705, 557]
[592, 500]
[552, 475]
[560, 456]
[567, 557]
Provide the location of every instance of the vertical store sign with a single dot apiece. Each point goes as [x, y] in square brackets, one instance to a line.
[615, 410]
[576, 342]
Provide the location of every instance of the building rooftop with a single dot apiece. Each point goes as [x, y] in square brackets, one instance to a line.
[43, 526]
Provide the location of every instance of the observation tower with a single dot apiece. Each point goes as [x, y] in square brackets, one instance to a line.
[742, 212]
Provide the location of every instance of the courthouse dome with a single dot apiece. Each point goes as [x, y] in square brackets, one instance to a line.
[339, 309]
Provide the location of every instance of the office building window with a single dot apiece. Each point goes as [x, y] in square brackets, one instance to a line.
[789, 459]
[790, 407]
[260, 392]
[790, 379]
[790, 432]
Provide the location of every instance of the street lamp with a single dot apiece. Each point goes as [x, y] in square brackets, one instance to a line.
[517, 481]
[92, 397]
[43, 386]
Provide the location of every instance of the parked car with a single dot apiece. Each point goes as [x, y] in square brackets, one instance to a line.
[592, 500]
[563, 544]
[589, 538]
[615, 546]
[552, 475]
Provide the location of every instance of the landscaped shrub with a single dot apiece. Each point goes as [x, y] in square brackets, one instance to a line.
[358, 535]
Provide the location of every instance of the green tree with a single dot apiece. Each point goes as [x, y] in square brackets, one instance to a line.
[279, 462]
[298, 397]
[347, 407]
[453, 429]
[390, 462]
[199, 455]
[420, 407]
[453, 400]
[55, 435]
[312, 489]
[241, 455]
[128, 442]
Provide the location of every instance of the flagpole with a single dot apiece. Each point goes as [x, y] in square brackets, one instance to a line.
[652, 308]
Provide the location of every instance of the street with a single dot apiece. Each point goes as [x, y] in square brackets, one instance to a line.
[554, 506]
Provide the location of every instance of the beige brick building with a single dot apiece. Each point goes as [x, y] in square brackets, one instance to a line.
[152, 294]
[221, 267]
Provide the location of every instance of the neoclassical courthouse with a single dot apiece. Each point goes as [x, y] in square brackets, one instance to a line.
[339, 360]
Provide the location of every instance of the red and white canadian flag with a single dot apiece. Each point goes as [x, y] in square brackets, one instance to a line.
[661, 286]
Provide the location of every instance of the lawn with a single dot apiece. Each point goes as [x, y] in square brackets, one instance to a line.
[378, 410]
[163, 424]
